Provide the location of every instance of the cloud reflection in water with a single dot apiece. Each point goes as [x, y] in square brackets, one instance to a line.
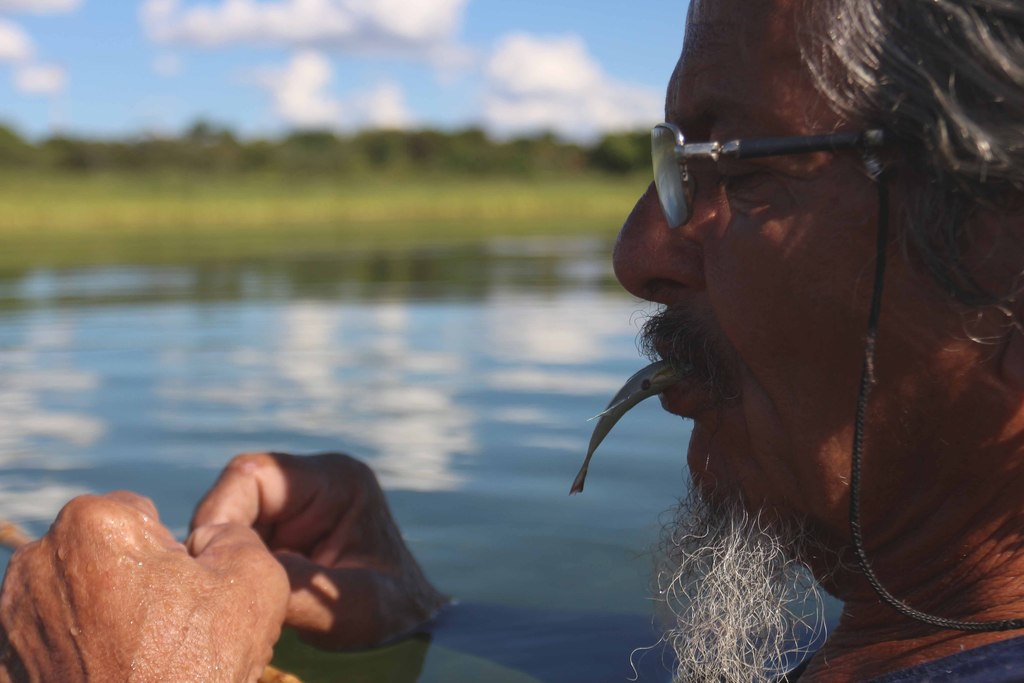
[352, 373]
[37, 381]
[27, 500]
[424, 388]
[407, 385]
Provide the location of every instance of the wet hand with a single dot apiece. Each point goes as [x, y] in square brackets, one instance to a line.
[354, 583]
[109, 594]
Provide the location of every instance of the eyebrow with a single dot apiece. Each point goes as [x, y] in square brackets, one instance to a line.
[732, 117]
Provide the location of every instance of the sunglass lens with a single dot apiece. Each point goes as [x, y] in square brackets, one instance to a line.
[668, 177]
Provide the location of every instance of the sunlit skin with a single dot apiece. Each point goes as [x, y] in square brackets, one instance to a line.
[776, 264]
[108, 594]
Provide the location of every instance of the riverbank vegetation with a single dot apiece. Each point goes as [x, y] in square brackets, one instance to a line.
[210, 149]
[209, 194]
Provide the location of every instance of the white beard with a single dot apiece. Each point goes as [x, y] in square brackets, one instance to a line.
[740, 602]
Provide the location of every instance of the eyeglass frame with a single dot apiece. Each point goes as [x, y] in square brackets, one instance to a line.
[678, 199]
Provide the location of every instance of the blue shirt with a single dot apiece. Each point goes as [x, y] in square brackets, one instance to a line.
[1001, 662]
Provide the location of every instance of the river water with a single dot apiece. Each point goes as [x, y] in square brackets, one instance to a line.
[465, 375]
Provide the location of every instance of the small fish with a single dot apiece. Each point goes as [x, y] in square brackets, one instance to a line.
[650, 381]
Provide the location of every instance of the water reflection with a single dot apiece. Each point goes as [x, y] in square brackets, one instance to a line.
[548, 381]
[28, 500]
[444, 367]
[566, 330]
[46, 284]
[352, 373]
[402, 356]
[427, 272]
[465, 375]
[43, 396]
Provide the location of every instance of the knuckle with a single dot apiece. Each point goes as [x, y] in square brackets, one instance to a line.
[352, 480]
[354, 467]
[248, 463]
[131, 499]
[366, 479]
[80, 511]
[97, 514]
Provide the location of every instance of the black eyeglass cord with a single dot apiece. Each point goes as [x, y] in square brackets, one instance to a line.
[866, 381]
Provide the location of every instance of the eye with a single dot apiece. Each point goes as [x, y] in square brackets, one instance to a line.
[750, 190]
[749, 187]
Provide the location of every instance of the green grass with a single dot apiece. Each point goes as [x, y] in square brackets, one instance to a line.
[69, 219]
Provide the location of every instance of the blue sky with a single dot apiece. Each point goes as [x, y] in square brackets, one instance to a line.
[117, 67]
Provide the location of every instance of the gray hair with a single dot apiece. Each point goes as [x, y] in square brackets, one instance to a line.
[946, 77]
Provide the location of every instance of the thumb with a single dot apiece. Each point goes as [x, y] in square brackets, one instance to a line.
[235, 551]
[209, 544]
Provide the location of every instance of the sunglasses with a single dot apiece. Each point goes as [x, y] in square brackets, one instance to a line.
[676, 185]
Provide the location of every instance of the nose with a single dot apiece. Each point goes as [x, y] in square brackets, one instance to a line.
[653, 261]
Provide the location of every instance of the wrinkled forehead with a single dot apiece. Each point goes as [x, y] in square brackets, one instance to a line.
[740, 60]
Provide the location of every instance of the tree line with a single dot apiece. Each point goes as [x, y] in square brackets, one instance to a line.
[209, 148]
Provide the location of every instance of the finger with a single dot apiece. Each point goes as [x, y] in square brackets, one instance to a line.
[294, 500]
[236, 551]
[335, 497]
[252, 489]
[208, 543]
[222, 545]
[249, 586]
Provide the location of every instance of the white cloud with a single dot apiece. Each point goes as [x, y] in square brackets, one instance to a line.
[422, 27]
[382, 107]
[299, 91]
[524, 65]
[15, 45]
[40, 79]
[32, 78]
[301, 97]
[39, 6]
[553, 83]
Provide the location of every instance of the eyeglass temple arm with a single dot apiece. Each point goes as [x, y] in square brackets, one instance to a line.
[766, 147]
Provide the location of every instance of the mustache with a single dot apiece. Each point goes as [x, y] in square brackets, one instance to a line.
[677, 336]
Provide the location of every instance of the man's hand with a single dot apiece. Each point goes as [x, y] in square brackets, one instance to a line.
[109, 595]
[354, 583]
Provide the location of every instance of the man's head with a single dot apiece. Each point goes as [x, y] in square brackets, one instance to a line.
[946, 77]
[767, 286]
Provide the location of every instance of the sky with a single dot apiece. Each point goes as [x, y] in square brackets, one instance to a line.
[115, 68]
